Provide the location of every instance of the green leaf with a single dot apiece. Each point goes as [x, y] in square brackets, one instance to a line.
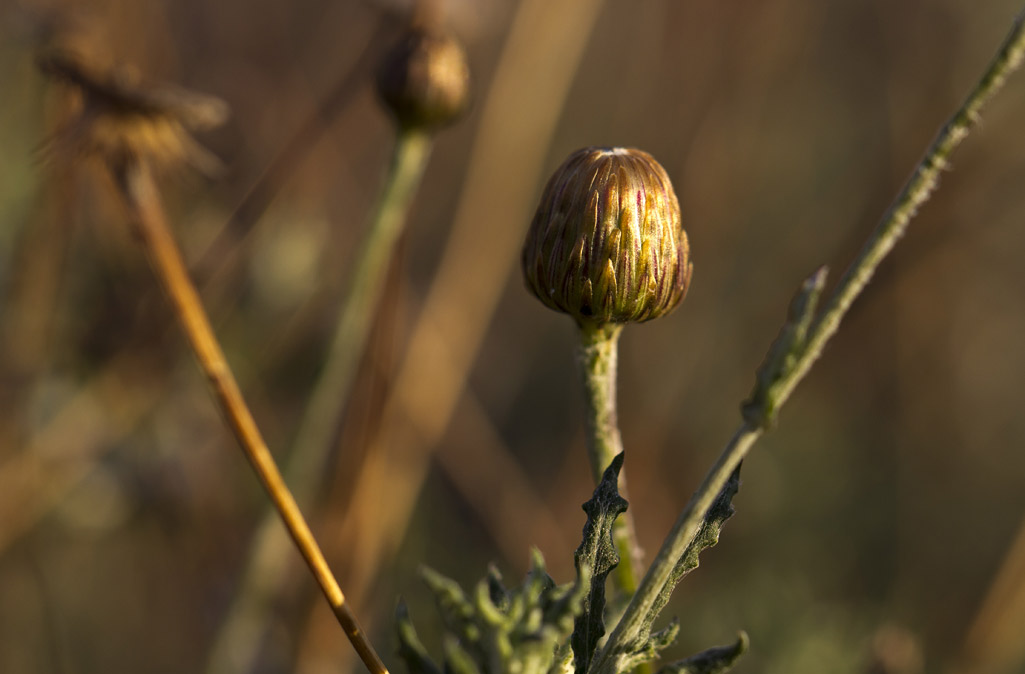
[456, 610]
[713, 661]
[457, 659]
[653, 646]
[597, 552]
[411, 650]
[499, 595]
[647, 646]
[496, 631]
[708, 535]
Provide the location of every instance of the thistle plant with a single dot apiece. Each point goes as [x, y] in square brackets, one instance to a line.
[575, 262]
[607, 247]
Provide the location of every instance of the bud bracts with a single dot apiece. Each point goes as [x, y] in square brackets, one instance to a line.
[606, 244]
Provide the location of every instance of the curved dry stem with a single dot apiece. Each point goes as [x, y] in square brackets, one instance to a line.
[802, 351]
[139, 191]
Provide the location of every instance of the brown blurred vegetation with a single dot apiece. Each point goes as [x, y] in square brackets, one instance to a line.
[871, 524]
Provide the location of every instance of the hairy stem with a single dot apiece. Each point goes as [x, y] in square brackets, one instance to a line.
[597, 356]
[915, 192]
[142, 198]
[266, 575]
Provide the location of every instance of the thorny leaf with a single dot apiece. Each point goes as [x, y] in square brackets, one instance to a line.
[653, 647]
[713, 661]
[456, 611]
[708, 535]
[597, 552]
[647, 646]
[457, 660]
[499, 595]
[411, 650]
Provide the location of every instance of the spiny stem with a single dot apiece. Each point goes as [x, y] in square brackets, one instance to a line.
[917, 190]
[267, 571]
[597, 356]
[139, 190]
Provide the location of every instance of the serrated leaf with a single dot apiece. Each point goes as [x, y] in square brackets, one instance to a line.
[457, 660]
[411, 650]
[653, 647]
[597, 552]
[456, 611]
[713, 661]
[493, 630]
[707, 536]
[499, 595]
[644, 647]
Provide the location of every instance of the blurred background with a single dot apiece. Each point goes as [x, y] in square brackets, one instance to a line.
[878, 528]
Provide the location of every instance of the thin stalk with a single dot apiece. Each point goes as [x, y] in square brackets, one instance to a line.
[320, 421]
[266, 573]
[914, 193]
[597, 356]
[139, 191]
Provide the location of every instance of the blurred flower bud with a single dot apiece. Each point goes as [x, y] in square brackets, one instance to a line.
[424, 80]
[114, 116]
[606, 244]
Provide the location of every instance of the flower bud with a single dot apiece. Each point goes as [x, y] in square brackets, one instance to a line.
[424, 80]
[606, 244]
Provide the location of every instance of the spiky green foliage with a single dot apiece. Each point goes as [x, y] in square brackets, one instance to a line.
[713, 661]
[497, 631]
[597, 552]
[646, 646]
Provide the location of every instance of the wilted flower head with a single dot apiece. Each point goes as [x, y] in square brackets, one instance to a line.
[606, 244]
[115, 116]
[424, 80]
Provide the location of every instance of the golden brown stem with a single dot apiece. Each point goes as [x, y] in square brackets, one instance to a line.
[140, 193]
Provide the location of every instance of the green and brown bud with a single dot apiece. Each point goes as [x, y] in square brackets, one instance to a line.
[606, 244]
[424, 80]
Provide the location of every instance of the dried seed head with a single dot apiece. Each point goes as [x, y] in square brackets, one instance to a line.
[606, 244]
[115, 116]
[424, 80]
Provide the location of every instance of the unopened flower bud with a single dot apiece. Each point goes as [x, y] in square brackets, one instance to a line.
[424, 80]
[606, 244]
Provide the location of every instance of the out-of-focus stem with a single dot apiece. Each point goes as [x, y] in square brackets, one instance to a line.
[597, 357]
[320, 421]
[142, 198]
[266, 576]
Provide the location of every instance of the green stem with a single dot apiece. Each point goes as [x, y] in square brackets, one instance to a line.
[915, 192]
[597, 356]
[266, 575]
[321, 418]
